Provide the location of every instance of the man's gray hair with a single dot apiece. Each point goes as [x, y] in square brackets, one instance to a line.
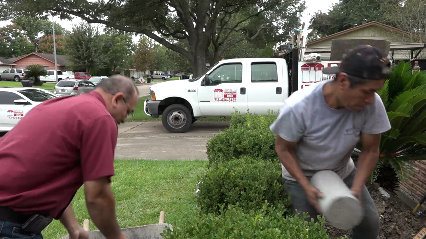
[119, 83]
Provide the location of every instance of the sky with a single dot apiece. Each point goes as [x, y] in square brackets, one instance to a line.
[312, 6]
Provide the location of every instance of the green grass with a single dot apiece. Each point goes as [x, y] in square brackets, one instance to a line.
[47, 86]
[140, 115]
[143, 188]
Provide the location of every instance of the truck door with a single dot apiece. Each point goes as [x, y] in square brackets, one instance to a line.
[268, 86]
[225, 92]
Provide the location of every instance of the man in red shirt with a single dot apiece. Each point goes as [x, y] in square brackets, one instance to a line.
[57, 147]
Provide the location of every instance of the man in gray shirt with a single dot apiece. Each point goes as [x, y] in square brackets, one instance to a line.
[319, 126]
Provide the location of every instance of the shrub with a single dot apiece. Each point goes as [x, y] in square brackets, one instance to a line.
[248, 135]
[236, 223]
[252, 121]
[245, 182]
[239, 142]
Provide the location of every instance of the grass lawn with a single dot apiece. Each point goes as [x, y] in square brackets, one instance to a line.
[143, 188]
[47, 86]
[140, 115]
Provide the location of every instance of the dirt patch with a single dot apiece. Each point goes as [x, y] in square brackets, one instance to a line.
[396, 218]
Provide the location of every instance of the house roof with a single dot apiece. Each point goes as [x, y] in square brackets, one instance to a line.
[60, 59]
[5, 61]
[373, 23]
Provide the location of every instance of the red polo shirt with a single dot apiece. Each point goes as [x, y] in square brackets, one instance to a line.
[53, 150]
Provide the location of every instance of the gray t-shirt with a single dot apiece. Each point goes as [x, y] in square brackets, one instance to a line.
[326, 137]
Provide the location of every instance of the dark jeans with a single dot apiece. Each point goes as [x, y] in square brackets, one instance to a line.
[370, 224]
[12, 230]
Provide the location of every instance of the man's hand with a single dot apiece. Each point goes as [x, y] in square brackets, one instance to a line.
[79, 233]
[312, 193]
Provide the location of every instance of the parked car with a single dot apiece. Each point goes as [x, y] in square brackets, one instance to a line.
[51, 76]
[96, 79]
[13, 74]
[73, 87]
[15, 103]
[82, 75]
[159, 76]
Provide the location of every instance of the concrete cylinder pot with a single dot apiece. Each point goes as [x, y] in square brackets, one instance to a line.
[339, 206]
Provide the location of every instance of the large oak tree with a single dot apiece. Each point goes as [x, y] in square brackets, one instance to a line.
[207, 27]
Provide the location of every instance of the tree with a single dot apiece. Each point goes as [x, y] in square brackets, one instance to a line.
[46, 44]
[35, 28]
[407, 15]
[350, 13]
[84, 48]
[35, 71]
[410, 17]
[145, 57]
[13, 42]
[201, 24]
[118, 49]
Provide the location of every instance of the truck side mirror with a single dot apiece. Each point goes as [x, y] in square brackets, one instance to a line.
[206, 80]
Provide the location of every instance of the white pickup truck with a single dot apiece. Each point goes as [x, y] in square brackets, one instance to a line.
[254, 84]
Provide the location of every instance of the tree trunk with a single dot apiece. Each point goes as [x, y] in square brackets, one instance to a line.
[199, 64]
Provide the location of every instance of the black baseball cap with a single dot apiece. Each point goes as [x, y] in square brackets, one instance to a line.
[365, 62]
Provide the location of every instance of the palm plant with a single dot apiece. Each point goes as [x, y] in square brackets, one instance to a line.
[35, 71]
[404, 97]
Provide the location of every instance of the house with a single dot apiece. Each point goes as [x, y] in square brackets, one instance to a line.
[44, 59]
[403, 45]
[5, 64]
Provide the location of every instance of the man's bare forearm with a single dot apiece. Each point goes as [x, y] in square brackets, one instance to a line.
[102, 212]
[366, 164]
[289, 161]
[68, 220]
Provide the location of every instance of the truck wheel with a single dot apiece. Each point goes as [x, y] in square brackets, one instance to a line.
[17, 79]
[164, 78]
[177, 118]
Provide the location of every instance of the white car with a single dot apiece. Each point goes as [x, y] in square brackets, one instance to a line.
[15, 103]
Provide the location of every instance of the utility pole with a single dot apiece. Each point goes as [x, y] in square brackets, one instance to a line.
[54, 50]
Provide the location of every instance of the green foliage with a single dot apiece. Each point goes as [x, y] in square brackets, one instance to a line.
[248, 135]
[245, 182]
[404, 97]
[84, 48]
[234, 222]
[13, 42]
[117, 49]
[144, 57]
[34, 72]
[206, 28]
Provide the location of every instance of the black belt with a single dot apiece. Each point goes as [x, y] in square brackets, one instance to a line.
[7, 214]
[34, 223]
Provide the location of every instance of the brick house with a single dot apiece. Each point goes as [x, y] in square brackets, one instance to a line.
[44, 59]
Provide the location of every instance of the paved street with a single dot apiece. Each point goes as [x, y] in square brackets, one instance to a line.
[149, 140]
[143, 90]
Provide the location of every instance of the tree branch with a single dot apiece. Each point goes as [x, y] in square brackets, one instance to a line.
[231, 43]
[148, 33]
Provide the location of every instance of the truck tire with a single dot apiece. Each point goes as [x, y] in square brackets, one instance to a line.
[177, 118]
[163, 78]
[17, 79]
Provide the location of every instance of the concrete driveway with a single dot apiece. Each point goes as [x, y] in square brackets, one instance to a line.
[149, 140]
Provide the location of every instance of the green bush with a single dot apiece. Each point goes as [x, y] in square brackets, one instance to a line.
[239, 142]
[236, 223]
[245, 182]
[248, 135]
[252, 121]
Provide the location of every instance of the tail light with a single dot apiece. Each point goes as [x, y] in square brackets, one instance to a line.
[75, 88]
[23, 74]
